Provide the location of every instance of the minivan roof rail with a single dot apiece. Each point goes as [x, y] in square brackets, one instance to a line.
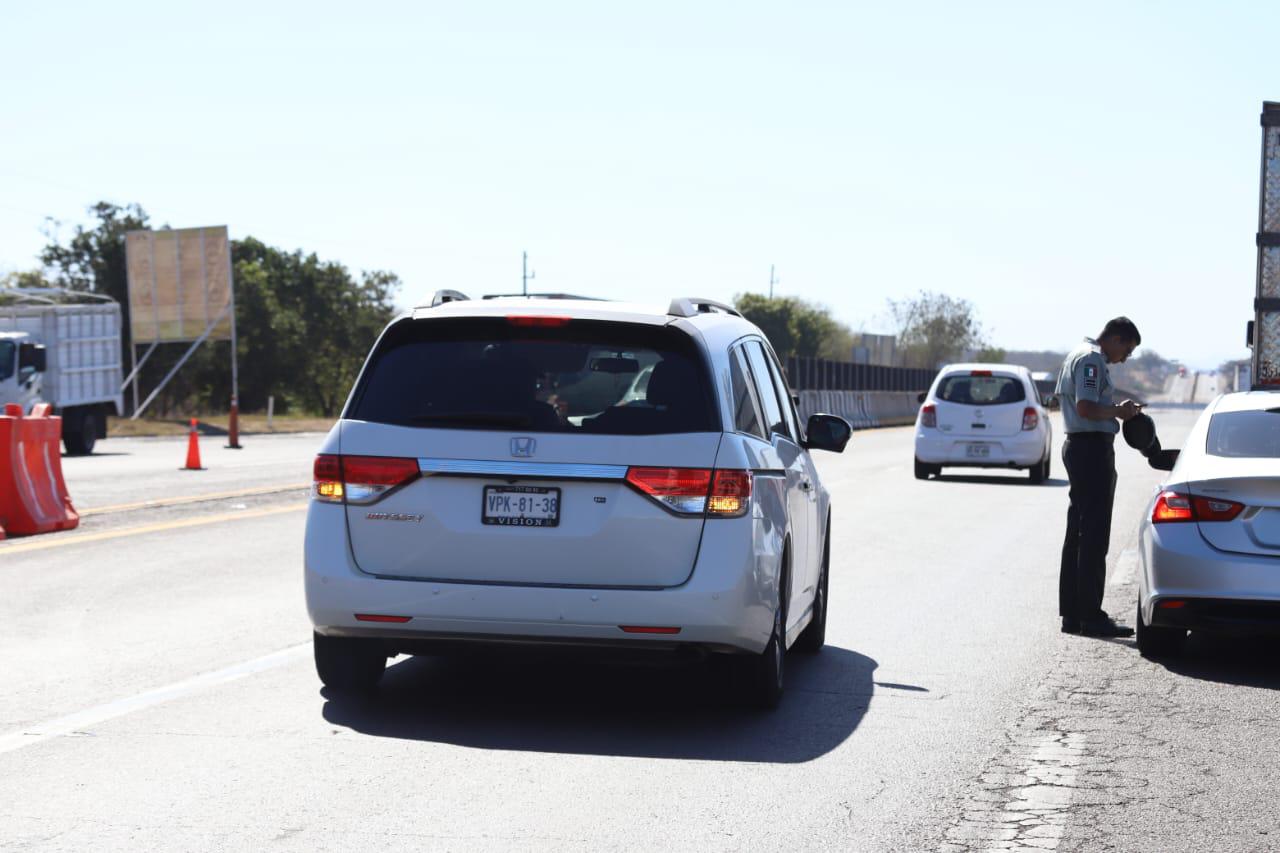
[443, 296]
[690, 306]
[541, 296]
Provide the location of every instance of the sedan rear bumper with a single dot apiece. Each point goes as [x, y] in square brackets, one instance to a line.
[1225, 615]
[1187, 583]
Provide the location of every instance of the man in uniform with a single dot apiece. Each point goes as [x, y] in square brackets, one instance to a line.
[1084, 387]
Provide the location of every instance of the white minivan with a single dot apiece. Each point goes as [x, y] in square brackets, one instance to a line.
[983, 416]
[568, 471]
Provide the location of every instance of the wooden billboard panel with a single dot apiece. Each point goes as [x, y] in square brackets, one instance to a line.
[179, 284]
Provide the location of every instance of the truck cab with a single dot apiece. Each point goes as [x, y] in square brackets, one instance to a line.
[62, 348]
[22, 366]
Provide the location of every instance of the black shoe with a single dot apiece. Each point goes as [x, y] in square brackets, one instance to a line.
[1105, 627]
[1070, 626]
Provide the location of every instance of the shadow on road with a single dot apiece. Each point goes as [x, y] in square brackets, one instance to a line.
[998, 479]
[546, 701]
[1244, 661]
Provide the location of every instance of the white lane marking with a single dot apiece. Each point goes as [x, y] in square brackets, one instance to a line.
[1046, 801]
[1126, 568]
[76, 723]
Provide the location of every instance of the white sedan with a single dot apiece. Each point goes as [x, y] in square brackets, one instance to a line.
[983, 416]
[1210, 541]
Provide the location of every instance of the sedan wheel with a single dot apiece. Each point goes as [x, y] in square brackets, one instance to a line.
[1155, 642]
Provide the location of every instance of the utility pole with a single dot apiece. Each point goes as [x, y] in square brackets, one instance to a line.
[772, 281]
[526, 274]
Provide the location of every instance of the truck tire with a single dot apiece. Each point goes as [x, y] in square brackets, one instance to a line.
[80, 433]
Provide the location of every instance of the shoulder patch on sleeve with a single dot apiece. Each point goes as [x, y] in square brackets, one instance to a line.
[1091, 376]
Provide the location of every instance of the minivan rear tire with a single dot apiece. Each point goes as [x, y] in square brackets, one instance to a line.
[348, 664]
[759, 678]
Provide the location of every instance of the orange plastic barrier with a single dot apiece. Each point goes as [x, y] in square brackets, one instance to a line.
[33, 496]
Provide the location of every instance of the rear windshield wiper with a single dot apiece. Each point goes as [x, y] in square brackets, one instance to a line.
[507, 419]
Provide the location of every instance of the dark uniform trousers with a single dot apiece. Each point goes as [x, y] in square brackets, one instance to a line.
[1090, 459]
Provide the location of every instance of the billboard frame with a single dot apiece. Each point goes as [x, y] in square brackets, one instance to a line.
[228, 311]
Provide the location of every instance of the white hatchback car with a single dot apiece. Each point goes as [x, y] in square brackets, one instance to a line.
[1209, 544]
[493, 479]
[983, 416]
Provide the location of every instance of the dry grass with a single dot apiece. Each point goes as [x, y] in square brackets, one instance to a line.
[250, 424]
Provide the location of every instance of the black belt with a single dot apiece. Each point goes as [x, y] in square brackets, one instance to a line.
[1101, 437]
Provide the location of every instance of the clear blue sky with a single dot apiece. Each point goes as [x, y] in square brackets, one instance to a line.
[1056, 165]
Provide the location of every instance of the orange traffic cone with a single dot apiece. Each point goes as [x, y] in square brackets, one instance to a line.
[193, 449]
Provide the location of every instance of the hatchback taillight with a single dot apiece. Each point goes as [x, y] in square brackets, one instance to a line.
[1174, 506]
[1030, 418]
[695, 491]
[929, 416]
[360, 479]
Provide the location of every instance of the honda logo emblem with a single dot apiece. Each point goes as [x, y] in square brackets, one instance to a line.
[523, 446]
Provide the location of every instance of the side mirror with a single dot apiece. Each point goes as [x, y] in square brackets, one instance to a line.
[1163, 460]
[33, 356]
[920, 398]
[827, 432]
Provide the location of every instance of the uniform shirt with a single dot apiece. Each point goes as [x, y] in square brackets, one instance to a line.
[1084, 376]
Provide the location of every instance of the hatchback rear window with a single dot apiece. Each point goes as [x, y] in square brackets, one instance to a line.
[1245, 434]
[981, 390]
[582, 376]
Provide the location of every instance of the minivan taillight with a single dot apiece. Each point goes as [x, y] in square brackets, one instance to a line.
[360, 479]
[695, 491]
[929, 416]
[1030, 418]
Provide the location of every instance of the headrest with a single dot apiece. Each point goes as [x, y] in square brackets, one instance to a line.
[672, 381]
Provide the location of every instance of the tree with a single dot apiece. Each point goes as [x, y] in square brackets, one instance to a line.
[304, 325]
[991, 355]
[93, 259]
[796, 327]
[25, 278]
[934, 328]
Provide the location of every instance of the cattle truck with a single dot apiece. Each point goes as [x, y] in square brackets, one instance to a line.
[62, 348]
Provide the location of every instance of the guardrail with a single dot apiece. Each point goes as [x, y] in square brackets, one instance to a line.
[820, 374]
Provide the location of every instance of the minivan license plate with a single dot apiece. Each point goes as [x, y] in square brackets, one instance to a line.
[521, 506]
[978, 451]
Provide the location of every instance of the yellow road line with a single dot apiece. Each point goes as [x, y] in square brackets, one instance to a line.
[190, 499]
[58, 540]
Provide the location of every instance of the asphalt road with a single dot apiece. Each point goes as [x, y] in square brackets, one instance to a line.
[160, 694]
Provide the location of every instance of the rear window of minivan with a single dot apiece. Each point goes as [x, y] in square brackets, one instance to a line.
[979, 389]
[578, 376]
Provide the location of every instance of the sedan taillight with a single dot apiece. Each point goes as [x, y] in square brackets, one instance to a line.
[360, 479]
[929, 416]
[1030, 419]
[1173, 506]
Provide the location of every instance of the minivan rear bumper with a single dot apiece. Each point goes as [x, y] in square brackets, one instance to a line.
[723, 606]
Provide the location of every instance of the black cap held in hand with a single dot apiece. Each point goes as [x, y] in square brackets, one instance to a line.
[1140, 434]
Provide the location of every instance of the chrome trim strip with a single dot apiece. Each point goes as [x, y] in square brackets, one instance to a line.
[490, 468]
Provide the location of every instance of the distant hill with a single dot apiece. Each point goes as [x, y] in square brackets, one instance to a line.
[1144, 375]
